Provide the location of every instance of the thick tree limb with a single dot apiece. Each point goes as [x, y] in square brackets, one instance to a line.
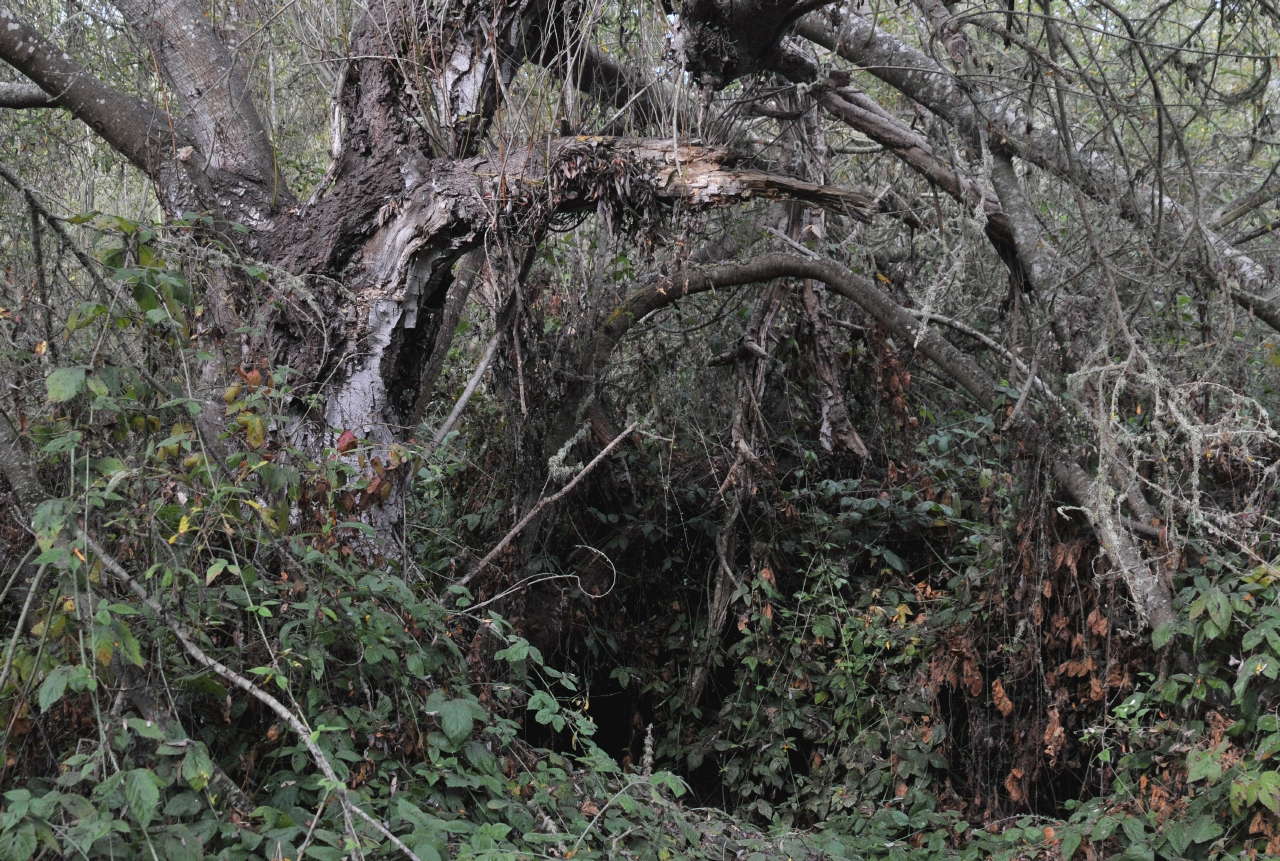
[1269, 227]
[16, 468]
[129, 126]
[647, 100]
[454, 204]
[862, 113]
[216, 105]
[21, 96]
[910, 71]
[722, 41]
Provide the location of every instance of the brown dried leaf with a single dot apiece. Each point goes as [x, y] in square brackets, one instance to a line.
[1098, 623]
[1013, 785]
[1054, 737]
[1077, 668]
[1001, 699]
[1073, 556]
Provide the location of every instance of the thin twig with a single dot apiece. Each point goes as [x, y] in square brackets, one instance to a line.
[472, 384]
[14, 576]
[56, 224]
[543, 503]
[1026, 390]
[17, 631]
[990, 343]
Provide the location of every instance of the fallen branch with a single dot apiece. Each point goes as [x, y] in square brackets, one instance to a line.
[22, 621]
[16, 97]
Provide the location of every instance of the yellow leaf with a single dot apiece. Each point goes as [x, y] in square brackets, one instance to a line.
[184, 525]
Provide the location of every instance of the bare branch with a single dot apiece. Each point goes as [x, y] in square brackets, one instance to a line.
[305, 735]
[910, 71]
[543, 503]
[1094, 497]
[17, 469]
[131, 127]
[23, 96]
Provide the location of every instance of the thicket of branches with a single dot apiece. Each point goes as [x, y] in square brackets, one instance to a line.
[564, 428]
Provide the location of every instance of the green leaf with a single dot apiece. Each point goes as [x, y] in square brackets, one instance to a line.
[197, 768]
[64, 384]
[1219, 609]
[455, 719]
[1104, 828]
[1179, 837]
[143, 794]
[1161, 636]
[52, 556]
[53, 687]
[1070, 843]
[517, 651]
[109, 465]
[1203, 765]
[145, 728]
[1268, 786]
[1205, 829]
[544, 705]
[130, 650]
[18, 844]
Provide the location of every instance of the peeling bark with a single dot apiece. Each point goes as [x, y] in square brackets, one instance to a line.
[407, 263]
[835, 423]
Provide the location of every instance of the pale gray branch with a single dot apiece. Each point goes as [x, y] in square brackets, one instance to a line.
[22, 96]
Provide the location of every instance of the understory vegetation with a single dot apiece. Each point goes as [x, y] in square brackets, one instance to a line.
[639, 554]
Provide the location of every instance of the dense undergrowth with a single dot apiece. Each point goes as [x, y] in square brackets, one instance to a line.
[926, 657]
